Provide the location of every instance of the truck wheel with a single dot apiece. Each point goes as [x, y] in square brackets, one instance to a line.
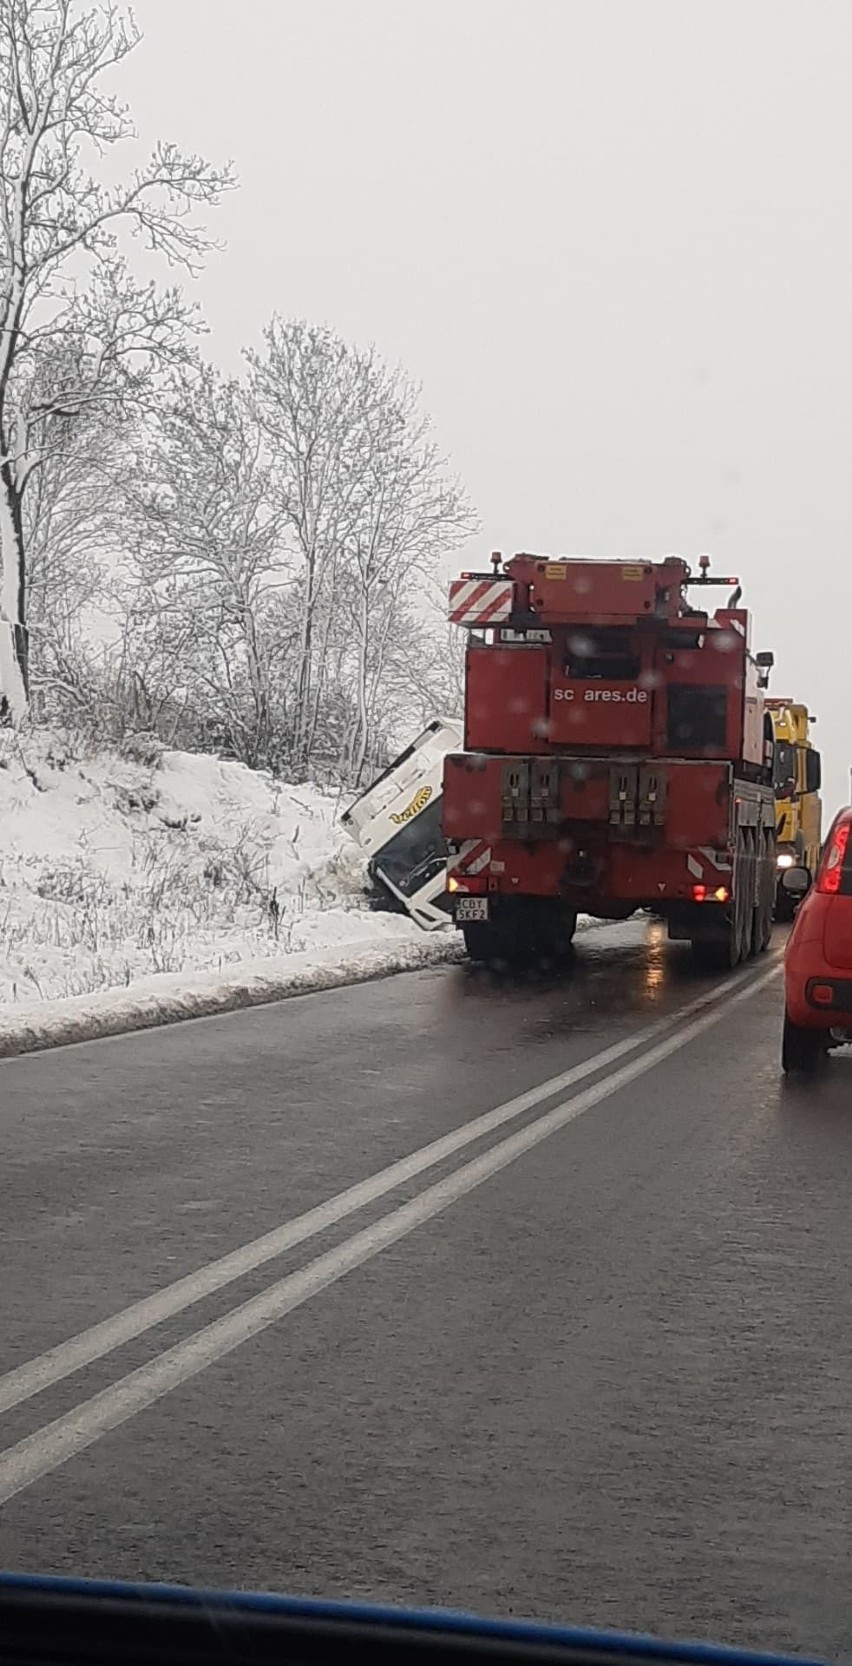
[769, 883]
[745, 876]
[802, 1051]
[763, 923]
[719, 944]
[764, 895]
[528, 935]
[489, 944]
[483, 942]
[544, 934]
[716, 953]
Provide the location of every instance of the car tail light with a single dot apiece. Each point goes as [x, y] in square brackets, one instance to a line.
[822, 994]
[829, 995]
[831, 873]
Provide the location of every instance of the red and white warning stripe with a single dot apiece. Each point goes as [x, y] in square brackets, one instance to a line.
[707, 863]
[472, 856]
[480, 601]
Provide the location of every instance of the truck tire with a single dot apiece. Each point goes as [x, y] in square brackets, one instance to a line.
[766, 881]
[483, 942]
[716, 953]
[494, 943]
[747, 931]
[569, 926]
[802, 1051]
[530, 934]
[719, 944]
[543, 932]
[745, 881]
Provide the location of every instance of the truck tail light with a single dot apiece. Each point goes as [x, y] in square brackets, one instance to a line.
[468, 884]
[831, 874]
[703, 893]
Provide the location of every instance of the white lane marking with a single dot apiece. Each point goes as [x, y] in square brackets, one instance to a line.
[51, 1446]
[93, 1344]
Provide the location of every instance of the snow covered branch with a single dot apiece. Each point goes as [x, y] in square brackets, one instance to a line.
[77, 333]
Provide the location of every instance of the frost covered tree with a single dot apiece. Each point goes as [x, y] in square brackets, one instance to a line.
[368, 509]
[204, 540]
[73, 529]
[63, 278]
[305, 388]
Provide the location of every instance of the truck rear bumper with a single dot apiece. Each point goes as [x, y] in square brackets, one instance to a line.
[587, 872]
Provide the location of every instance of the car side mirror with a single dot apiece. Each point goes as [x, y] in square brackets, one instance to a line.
[797, 881]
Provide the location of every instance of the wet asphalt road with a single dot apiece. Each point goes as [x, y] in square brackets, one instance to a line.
[603, 1374]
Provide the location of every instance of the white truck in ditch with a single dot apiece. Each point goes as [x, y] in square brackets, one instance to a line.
[397, 823]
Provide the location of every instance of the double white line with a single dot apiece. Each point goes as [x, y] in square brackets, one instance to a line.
[52, 1445]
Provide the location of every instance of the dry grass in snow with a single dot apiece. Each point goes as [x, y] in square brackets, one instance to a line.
[118, 866]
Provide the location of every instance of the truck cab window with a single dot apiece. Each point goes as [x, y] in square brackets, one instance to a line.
[784, 769]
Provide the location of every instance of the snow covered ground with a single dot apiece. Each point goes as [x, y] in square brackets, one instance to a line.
[141, 886]
[151, 869]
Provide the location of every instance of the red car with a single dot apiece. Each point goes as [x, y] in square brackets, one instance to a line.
[818, 962]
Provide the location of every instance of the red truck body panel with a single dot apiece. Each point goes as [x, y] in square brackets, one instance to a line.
[616, 742]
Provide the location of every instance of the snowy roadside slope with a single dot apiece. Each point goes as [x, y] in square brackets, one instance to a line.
[145, 887]
[169, 998]
[116, 871]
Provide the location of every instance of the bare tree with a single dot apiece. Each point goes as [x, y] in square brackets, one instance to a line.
[411, 515]
[62, 276]
[206, 550]
[308, 389]
[368, 507]
[73, 523]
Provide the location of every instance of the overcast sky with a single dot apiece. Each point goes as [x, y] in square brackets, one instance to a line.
[612, 239]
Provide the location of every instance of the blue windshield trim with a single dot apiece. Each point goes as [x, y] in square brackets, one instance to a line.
[633, 1644]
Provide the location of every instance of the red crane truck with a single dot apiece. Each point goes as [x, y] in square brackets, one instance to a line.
[617, 757]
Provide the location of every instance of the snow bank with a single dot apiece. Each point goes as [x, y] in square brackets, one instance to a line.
[145, 886]
[170, 998]
[115, 868]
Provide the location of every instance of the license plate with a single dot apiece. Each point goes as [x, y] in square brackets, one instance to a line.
[472, 908]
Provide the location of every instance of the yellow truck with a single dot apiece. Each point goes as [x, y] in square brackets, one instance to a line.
[797, 777]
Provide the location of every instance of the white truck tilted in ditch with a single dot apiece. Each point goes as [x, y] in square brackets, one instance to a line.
[397, 822]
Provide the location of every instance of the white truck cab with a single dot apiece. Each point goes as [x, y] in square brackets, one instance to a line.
[397, 822]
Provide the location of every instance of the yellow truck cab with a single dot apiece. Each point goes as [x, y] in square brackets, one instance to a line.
[797, 777]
